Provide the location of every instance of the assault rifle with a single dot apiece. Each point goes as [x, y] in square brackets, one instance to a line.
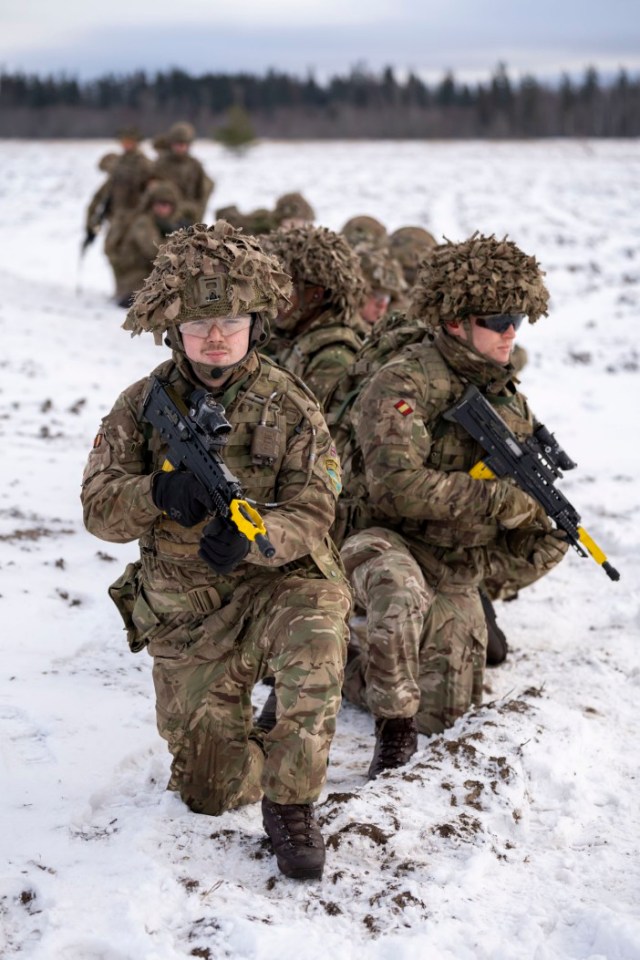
[195, 435]
[535, 465]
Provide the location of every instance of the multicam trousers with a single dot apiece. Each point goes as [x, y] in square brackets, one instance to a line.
[204, 671]
[423, 651]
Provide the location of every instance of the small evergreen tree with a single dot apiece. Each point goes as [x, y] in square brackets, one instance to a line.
[237, 134]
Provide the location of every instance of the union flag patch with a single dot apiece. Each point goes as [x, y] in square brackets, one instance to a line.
[403, 407]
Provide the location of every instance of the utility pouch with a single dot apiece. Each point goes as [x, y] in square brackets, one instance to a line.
[139, 619]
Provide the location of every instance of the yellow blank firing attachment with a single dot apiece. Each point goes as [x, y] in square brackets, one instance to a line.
[598, 555]
[246, 519]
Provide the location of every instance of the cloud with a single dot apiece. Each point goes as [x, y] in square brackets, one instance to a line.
[329, 37]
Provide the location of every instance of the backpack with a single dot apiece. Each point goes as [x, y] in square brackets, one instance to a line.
[388, 337]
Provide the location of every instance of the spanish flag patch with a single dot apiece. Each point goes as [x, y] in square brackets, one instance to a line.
[403, 407]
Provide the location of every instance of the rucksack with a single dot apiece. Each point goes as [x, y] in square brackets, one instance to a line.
[388, 337]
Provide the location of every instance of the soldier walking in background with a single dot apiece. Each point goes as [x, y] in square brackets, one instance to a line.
[214, 613]
[158, 215]
[116, 201]
[430, 535]
[177, 164]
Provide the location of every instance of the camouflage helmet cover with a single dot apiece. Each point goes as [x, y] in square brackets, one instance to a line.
[409, 244]
[293, 206]
[364, 229]
[207, 272]
[182, 132]
[481, 275]
[380, 270]
[317, 256]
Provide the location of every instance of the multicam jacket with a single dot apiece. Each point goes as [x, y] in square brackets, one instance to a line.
[409, 470]
[189, 176]
[116, 491]
[320, 355]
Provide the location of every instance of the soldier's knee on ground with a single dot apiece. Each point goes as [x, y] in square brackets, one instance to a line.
[213, 773]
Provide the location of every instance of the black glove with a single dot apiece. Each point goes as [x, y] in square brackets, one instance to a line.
[89, 237]
[222, 546]
[181, 496]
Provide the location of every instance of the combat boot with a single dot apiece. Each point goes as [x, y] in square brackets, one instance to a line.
[296, 838]
[266, 719]
[497, 646]
[396, 743]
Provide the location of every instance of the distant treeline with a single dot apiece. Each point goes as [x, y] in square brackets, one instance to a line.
[360, 105]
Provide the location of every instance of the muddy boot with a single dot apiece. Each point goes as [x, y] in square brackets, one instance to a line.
[296, 838]
[497, 643]
[396, 743]
[266, 719]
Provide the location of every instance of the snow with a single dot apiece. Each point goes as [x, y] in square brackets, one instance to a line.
[512, 837]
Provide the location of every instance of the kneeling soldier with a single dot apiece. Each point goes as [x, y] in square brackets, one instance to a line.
[214, 613]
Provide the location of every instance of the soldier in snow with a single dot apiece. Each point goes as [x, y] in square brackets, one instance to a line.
[158, 216]
[316, 336]
[176, 164]
[430, 536]
[213, 612]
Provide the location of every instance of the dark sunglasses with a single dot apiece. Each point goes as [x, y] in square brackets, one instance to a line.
[500, 322]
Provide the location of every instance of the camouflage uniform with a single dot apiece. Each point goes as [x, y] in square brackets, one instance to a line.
[133, 259]
[186, 172]
[213, 637]
[432, 535]
[318, 340]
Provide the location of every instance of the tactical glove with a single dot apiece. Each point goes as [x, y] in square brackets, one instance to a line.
[181, 496]
[222, 546]
[549, 550]
[518, 509]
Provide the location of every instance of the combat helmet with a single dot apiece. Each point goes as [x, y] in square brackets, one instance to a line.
[182, 132]
[481, 275]
[365, 229]
[380, 271]
[163, 191]
[293, 206]
[408, 246]
[205, 272]
[129, 133]
[317, 256]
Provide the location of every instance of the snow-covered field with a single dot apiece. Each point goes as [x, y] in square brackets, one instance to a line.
[513, 837]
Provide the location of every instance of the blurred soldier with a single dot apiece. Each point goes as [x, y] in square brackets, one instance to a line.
[408, 245]
[431, 534]
[175, 163]
[363, 229]
[117, 199]
[316, 337]
[292, 210]
[213, 612]
[132, 260]
[255, 223]
[384, 282]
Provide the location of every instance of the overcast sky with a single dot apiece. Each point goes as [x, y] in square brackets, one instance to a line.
[470, 37]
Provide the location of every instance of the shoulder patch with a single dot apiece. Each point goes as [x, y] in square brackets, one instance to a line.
[403, 407]
[331, 466]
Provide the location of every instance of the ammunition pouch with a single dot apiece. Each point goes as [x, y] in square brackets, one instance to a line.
[138, 617]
